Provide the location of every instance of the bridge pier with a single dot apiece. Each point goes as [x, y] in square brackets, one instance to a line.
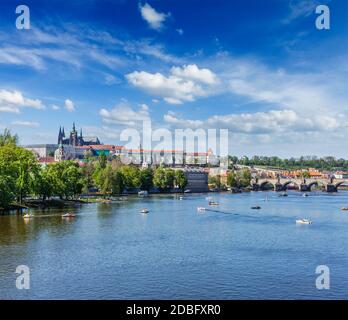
[304, 187]
[331, 187]
[255, 187]
[279, 187]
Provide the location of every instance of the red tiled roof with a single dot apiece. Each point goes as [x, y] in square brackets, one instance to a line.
[46, 159]
[102, 147]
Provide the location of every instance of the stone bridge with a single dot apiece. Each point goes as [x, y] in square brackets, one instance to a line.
[282, 184]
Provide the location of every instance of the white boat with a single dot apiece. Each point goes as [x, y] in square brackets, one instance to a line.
[344, 208]
[303, 221]
[213, 203]
[181, 198]
[144, 211]
[69, 215]
[143, 193]
[187, 191]
[200, 209]
[305, 195]
[28, 216]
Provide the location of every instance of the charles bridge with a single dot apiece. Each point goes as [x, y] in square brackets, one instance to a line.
[305, 185]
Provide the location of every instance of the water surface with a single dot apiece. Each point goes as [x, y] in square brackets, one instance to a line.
[110, 251]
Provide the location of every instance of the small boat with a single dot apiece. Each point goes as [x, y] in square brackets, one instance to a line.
[187, 191]
[256, 207]
[69, 215]
[144, 211]
[181, 198]
[303, 221]
[283, 194]
[28, 216]
[344, 208]
[305, 195]
[213, 203]
[200, 209]
[143, 193]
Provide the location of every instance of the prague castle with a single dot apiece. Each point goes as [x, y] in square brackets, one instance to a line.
[75, 139]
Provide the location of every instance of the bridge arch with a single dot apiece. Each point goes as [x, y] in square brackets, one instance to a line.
[289, 182]
[265, 183]
[340, 183]
[314, 183]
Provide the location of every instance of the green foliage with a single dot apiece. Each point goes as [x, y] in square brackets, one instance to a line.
[324, 163]
[146, 179]
[20, 166]
[6, 138]
[215, 180]
[180, 179]
[131, 175]
[239, 179]
[6, 191]
[164, 178]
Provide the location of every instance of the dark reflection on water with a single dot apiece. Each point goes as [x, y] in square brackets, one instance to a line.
[112, 251]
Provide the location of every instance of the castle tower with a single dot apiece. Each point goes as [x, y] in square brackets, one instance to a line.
[73, 136]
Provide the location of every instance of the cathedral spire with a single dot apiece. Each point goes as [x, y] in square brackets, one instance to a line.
[60, 135]
[81, 133]
[74, 129]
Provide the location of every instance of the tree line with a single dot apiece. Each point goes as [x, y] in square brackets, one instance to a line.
[22, 176]
[324, 163]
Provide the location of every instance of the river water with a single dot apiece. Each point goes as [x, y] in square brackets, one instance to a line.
[111, 251]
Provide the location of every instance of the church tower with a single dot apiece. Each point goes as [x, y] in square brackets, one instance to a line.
[73, 136]
[60, 136]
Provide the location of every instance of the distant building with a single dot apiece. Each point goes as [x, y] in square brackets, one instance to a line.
[197, 179]
[42, 150]
[75, 139]
[341, 175]
[68, 152]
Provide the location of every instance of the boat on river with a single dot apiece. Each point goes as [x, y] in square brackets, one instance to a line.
[256, 207]
[213, 203]
[143, 193]
[69, 215]
[303, 221]
[28, 216]
[200, 209]
[144, 211]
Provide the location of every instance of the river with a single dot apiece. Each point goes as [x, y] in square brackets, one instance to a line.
[111, 251]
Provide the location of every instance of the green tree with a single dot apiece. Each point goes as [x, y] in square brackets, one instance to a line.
[164, 178]
[146, 179]
[131, 176]
[7, 138]
[180, 179]
[117, 182]
[6, 191]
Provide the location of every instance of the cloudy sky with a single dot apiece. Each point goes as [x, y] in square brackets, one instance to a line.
[259, 68]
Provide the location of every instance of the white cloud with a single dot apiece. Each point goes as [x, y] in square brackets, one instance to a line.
[192, 72]
[301, 8]
[180, 31]
[109, 79]
[274, 122]
[26, 123]
[69, 105]
[14, 101]
[55, 107]
[152, 17]
[124, 114]
[183, 84]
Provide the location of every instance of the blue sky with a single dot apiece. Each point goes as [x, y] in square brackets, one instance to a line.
[259, 68]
